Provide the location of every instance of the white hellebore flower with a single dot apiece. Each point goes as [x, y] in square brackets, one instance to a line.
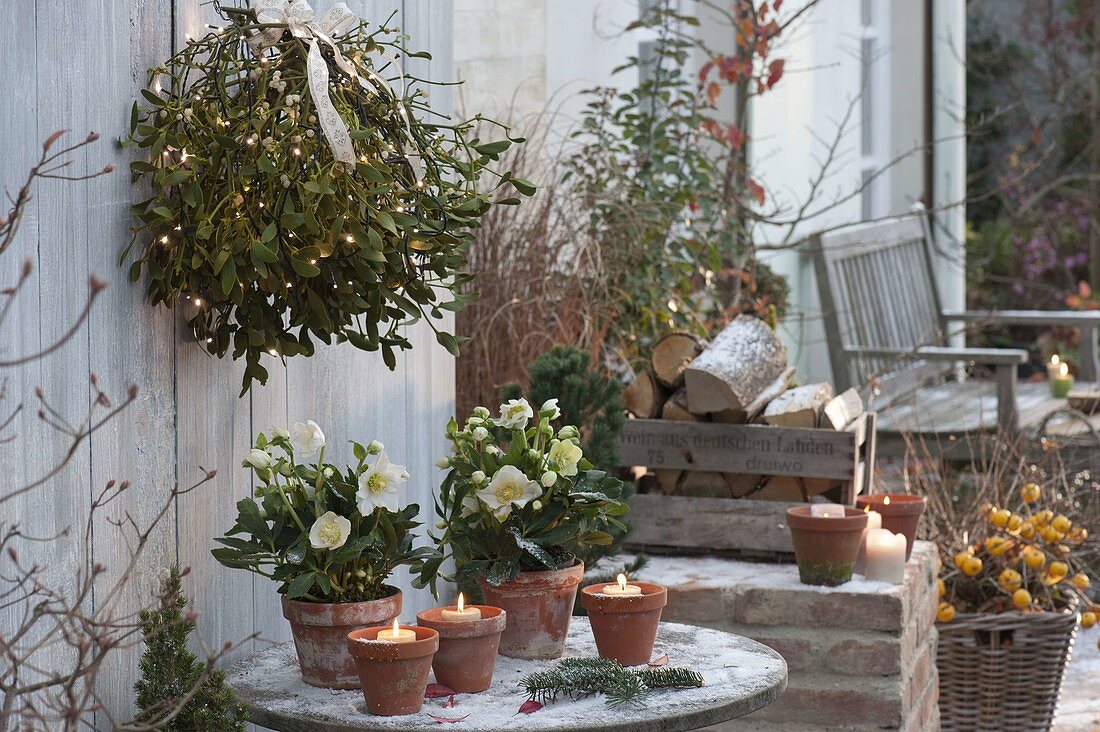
[307, 438]
[375, 447]
[378, 485]
[478, 477]
[550, 409]
[279, 432]
[509, 487]
[329, 531]
[469, 506]
[259, 459]
[480, 433]
[514, 413]
[549, 478]
[443, 463]
[566, 455]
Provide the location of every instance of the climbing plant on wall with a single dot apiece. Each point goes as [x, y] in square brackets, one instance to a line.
[304, 189]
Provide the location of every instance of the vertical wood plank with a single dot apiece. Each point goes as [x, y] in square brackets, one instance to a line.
[55, 41]
[20, 332]
[131, 342]
[430, 370]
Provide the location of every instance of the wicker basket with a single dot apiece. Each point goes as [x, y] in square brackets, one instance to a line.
[1001, 672]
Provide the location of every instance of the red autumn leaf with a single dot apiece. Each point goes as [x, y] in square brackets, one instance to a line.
[712, 92]
[661, 660]
[756, 191]
[447, 720]
[1084, 289]
[775, 72]
[704, 72]
[529, 707]
[437, 691]
[736, 137]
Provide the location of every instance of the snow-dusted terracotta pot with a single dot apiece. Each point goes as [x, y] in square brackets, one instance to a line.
[539, 605]
[321, 635]
[467, 648]
[826, 548]
[393, 675]
[625, 626]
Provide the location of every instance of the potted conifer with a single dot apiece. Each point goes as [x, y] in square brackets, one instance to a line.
[518, 503]
[330, 538]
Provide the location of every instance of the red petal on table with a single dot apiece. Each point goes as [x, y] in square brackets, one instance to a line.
[437, 691]
[447, 720]
[661, 660]
[529, 707]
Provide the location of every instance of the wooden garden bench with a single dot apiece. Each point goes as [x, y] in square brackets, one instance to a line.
[887, 335]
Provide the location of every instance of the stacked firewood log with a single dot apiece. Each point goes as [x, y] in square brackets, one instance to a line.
[740, 377]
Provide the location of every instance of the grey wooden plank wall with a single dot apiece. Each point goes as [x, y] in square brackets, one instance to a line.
[79, 65]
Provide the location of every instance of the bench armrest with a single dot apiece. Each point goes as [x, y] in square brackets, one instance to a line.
[986, 356]
[1087, 321]
[1026, 317]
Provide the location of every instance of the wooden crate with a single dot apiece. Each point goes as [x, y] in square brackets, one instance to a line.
[738, 526]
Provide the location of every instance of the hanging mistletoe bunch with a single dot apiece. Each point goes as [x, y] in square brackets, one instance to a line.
[303, 191]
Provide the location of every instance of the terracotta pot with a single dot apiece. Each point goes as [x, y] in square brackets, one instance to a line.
[321, 631]
[901, 515]
[826, 548]
[467, 648]
[539, 605]
[393, 675]
[625, 626]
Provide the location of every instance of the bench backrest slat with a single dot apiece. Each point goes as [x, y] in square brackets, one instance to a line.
[878, 291]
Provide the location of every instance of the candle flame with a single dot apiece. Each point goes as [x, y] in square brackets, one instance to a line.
[1063, 369]
[461, 602]
[622, 581]
[867, 508]
[886, 501]
[396, 628]
[1054, 360]
[824, 514]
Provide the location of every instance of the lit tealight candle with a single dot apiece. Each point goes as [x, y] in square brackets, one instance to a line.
[1062, 383]
[460, 611]
[621, 588]
[885, 556]
[827, 510]
[1052, 367]
[397, 634]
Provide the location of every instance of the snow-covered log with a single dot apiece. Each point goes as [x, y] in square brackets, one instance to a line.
[740, 363]
[799, 407]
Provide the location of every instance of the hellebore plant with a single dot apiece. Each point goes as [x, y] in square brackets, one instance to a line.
[518, 496]
[325, 535]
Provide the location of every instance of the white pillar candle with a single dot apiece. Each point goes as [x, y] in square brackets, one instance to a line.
[621, 588]
[827, 510]
[885, 556]
[397, 634]
[460, 611]
[874, 521]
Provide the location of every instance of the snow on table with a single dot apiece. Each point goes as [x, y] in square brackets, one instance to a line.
[740, 676]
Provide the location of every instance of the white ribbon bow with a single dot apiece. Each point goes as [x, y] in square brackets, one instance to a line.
[299, 18]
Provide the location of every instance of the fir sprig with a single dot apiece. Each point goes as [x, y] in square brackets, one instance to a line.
[576, 678]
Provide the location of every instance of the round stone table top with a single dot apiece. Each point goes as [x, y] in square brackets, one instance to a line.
[740, 676]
